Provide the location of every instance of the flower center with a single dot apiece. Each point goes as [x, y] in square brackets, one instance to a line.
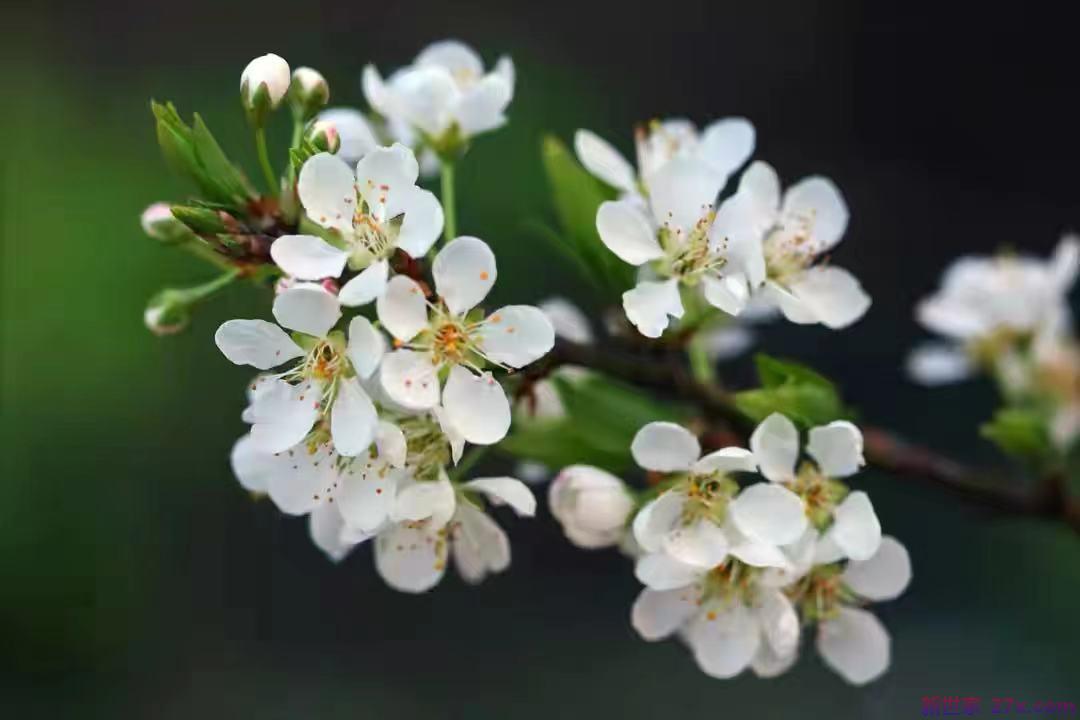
[790, 250]
[688, 254]
[821, 593]
[729, 582]
[450, 341]
[707, 496]
[428, 450]
[819, 493]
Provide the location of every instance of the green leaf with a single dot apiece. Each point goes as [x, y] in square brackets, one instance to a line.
[1021, 433]
[225, 175]
[194, 153]
[805, 396]
[602, 416]
[577, 196]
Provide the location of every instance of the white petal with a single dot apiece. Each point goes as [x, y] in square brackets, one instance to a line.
[453, 435]
[649, 304]
[1065, 263]
[327, 190]
[604, 161]
[411, 557]
[760, 187]
[665, 447]
[779, 622]
[832, 295]
[758, 554]
[767, 664]
[424, 96]
[423, 221]
[366, 346]
[304, 480]
[283, 415]
[792, 307]
[375, 90]
[410, 379]
[453, 55]
[476, 406]
[366, 497]
[935, 364]
[424, 500]
[729, 293]
[724, 640]
[308, 257]
[702, 544]
[481, 107]
[726, 144]
[352, 419]
[258, 343]
[504, 68]
[817, 202]
[660, 571]
[507, 490]
[251, 466]
[325, 527]
[855, 645]
[627, 232]
[837, 448]
[464, 272]
[654, 521]
[682, 192]
[855, 528]
[307, 309]
[480, 547]
[769, 513]
[737, 233]
[384, 172]
[726, 460]
[367, 286]
[568, 320]
[657, 614]
[884, 576]
[391, 443]
[775, 444]
[402, 308]
[516, 335]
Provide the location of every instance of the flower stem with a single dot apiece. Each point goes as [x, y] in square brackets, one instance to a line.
[701, 366]
[449, 210]
[476, 454]
[264, 162]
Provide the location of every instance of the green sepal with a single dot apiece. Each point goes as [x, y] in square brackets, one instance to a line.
[201, 221]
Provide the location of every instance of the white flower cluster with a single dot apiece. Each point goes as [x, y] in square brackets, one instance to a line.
[358, 433]
[1008, 316]
[737, 570]
[758, 244]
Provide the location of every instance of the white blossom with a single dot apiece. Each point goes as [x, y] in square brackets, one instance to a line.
[986, 305]
[447, 333]
[356, 135]
[374, 211]
[323, 388]
[796, 231]
[592, 505]
[679, 239]
[445, 94]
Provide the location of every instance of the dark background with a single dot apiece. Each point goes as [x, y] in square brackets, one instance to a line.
[138, 580]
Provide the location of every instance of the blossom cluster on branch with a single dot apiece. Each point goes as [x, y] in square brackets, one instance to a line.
[385, 374]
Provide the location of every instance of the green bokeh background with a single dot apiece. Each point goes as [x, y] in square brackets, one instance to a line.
[138, 580]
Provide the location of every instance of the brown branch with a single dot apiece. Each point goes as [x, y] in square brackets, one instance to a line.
[659, 368]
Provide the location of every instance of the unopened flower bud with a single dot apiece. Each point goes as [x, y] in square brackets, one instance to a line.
[324, 136]
[167, 313]
[159, 223]
[263, 86]
[592, 505]
[309, 92]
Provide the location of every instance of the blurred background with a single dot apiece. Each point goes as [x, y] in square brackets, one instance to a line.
[138, 580]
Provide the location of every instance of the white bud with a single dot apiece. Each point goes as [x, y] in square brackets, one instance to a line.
[592, 505]
[159, 223]
[324, 136]
[269, 70]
